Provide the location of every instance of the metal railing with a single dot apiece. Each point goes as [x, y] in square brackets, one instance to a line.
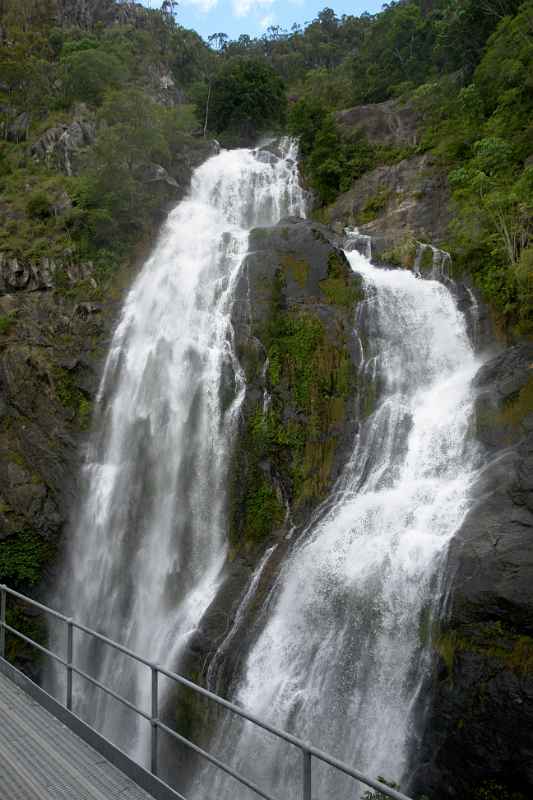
[308, 752]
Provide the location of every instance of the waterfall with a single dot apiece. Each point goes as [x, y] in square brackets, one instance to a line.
[343, 654]
[148, 544]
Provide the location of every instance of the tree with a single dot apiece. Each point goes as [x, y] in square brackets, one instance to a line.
[247, 98]
[88, 73]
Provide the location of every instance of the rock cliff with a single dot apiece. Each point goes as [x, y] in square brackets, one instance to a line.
[480, 716]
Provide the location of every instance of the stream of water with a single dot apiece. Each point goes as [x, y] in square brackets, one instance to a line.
[149, 541]
[343, 654]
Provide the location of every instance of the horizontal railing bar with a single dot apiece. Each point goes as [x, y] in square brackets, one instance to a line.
[354, 773]
[231, 707]
[214, 760]
[116, 645]
[109, 691]
[27, 639]
[281, 734]
[34, 603]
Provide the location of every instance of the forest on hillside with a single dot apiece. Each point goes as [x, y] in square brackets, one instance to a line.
[465, 65]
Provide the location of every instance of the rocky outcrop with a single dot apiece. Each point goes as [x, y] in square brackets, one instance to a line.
[17, 129]
[60, 146]
[17, 274]
[86, 13]
[389, 123]
[397, 203]
[480, 725]
[293, 319]
[155, 173]
[52, 344]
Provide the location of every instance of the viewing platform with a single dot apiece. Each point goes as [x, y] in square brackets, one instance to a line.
[48, 752]
[42, 759]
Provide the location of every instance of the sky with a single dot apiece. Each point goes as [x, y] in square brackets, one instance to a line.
[255, 16]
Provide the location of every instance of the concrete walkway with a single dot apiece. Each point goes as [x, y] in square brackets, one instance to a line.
[42, 759]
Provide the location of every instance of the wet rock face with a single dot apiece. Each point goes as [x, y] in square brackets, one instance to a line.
[480, 725]
[388, 123]
[407, 200]
[51, 350]
[294, 319]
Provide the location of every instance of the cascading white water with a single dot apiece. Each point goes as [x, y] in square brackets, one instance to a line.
[341, 657]
[149, 542]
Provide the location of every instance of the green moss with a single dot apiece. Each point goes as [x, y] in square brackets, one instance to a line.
[17, 458]
[426, 260]
[518, 407]
[298, 268]
[492, 641]
[492, 790]
[287, 453]
[297, 342]
[22, 558]
[508, 420]
[71, 397]
[84, 413]
[401, 255]
[341, 287]
[374, 206]
[264, 512]
[425, 626]
[6, 324]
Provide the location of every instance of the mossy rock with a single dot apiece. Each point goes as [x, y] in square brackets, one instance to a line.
[492, 641]
[298, 350]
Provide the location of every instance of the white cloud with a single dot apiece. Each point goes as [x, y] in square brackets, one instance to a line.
[201, 5]
[266, 21]
[241, 8]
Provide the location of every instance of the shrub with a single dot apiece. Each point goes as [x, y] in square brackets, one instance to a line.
[39, 206]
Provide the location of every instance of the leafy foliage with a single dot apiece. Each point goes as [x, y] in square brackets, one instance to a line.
[22, 558]
[89, 72]
[55, 72]
[247, 98]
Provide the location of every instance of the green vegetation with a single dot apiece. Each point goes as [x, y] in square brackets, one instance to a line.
[6, 323]
[246, 98]
[71, 397]
[98, 199]
[373, 795]
[22, 557]
[491, 790]
[465, 65]
[310, 378]
[297, 268]
[34, 627]
[492, 641]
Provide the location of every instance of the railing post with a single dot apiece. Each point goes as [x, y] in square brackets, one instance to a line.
[306, 764]
[2, 621]
[70, 651]
[153, 721]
